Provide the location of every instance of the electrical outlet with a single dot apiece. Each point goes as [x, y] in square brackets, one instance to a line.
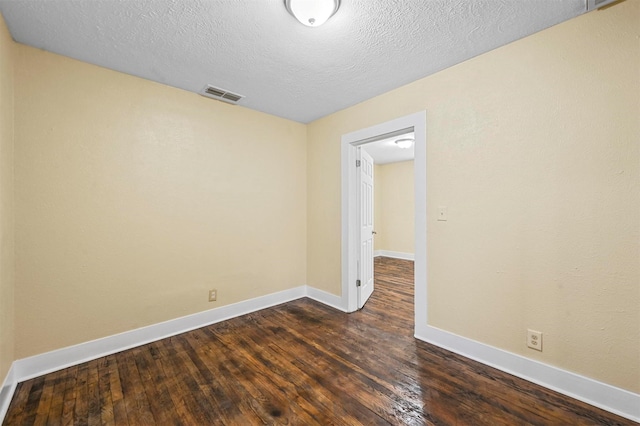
[213, 295]
[534, 340]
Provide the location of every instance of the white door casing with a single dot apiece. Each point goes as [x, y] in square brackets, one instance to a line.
[349, 201]
[365, 215]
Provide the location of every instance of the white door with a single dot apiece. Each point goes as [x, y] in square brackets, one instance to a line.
[365, 200]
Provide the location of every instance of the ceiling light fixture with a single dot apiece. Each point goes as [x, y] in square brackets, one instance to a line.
[404, 143]
[312, 13]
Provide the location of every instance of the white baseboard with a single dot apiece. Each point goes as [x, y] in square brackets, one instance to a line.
[38, 365]
[326, 298]
[394, 254]
[610, 398]
[593, 392]
[6, 392]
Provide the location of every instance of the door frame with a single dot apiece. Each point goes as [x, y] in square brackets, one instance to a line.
[350, 227]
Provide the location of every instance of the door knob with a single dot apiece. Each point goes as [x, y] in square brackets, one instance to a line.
[373, 232]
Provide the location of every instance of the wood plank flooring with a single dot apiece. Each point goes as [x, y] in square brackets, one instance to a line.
[300, 363]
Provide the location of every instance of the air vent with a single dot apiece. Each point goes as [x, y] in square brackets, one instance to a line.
[596, 4]
[221, 94]
[232, 97]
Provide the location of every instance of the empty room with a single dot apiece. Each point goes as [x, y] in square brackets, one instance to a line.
[196, 227]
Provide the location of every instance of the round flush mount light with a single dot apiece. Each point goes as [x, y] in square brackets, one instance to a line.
[404, 143]
[312, 13]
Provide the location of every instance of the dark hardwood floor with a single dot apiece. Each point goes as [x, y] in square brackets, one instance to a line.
[299, 363]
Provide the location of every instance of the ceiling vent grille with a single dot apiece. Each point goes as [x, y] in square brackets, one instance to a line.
[220, 94]
[596, 4]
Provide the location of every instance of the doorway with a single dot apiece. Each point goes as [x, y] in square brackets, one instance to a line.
[350, 222]
[386, 207]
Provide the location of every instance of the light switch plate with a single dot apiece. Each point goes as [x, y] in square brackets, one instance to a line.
[442, 213]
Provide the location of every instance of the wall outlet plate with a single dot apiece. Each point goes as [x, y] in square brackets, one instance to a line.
[534, 340]
[213, 295]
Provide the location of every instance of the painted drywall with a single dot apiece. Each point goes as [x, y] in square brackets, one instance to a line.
[133, 199]
[534, 149]
[394, 207]
[6, 202]
[378, 240]
[257, 49]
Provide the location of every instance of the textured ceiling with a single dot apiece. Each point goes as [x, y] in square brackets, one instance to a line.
[386, 151]
[257, 49]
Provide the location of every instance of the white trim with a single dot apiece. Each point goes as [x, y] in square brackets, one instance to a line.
[326, 298]
[394, 254]
[349, 142]
[7, 391]
[602, 395]
[47, 362]
[593, 392]
[420, 215]
[37, 365]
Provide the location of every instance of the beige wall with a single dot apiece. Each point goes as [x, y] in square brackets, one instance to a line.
[6, 202]
[378, 241]
[534, 148]
[394, 207]
[133, 199]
